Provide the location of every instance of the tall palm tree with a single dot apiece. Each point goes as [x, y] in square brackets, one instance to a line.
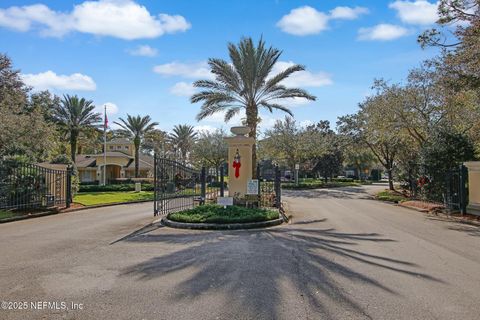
[247, 84]
[183, 138]
[136, 127]
[75, 116]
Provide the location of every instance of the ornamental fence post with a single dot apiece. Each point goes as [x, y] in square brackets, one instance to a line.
[278, 196]
[203, 186]
[222, 181]
[68, 198]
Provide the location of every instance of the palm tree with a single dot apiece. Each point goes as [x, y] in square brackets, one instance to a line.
[136, 128]
[183, 138]
[75, 116]
[246, 84]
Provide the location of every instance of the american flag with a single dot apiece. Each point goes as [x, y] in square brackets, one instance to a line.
[106, 119]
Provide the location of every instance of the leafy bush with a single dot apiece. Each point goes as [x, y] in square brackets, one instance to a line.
[90, 183]
[391, 196]
[343, 179]
[131, 181]
[317, 184]
[217, 184]
[217, 214]
[114, 187]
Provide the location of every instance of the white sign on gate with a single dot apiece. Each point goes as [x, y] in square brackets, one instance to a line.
[225, 201]
[252, 186]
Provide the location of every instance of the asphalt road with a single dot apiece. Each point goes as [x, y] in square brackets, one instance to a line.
[342, 257]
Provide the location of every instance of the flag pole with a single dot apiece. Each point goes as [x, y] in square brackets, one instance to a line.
[105, 146]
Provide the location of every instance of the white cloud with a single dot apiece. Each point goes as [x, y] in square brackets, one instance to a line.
[24, 18]
[292, 102]
[199, 70]
[306, 123]
[347, 13]
[112, 109]
[123, 19]
[183, 89]
[303, 21]
[302, 78]
[306, 20]
[50, 80]
[205, 128]
[419, 12]
[267, 122]
[219, 118]
[382, 32]
[144, 51]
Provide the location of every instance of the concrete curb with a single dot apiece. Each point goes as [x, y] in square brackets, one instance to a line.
[29, 216]
[49, 213]
[103, 205]
[447, 216]
[217, 226]
[413, 208]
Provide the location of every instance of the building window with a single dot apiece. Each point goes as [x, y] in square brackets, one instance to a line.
[119, 147]
[111, 147]
[126, 147]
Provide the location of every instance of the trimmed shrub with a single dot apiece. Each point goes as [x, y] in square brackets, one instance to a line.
[114, 187]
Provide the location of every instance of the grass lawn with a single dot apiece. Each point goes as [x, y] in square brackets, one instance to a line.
[6, 214]
[317, 184]
[93, 198]
[217, 214]
[391, 196]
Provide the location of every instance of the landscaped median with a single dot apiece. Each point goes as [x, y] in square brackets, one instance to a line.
[217, 217]
[404, 201]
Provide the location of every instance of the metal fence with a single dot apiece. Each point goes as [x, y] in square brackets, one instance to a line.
[179, 187]
[449, 187]
[269, 179]
[29, 186]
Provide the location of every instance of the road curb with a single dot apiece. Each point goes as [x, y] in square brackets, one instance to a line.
[449, 217]
[217, 226]
[49, 213]
[29, 216]
[103, 205]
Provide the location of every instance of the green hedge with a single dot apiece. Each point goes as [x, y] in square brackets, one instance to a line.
[114, 187]
[391, 196]
[217, 184]
[318, 185]
[218, 214]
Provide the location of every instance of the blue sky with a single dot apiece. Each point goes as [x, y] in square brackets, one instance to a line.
[142, 56]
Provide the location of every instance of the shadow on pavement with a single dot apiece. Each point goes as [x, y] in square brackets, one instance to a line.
[252, 268]
[338, 193]
[461, 226]
[310, 221]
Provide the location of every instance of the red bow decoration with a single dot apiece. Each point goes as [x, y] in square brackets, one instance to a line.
[236, 166]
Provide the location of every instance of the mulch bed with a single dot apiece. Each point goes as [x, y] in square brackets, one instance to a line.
[423, 205]
[436, 208]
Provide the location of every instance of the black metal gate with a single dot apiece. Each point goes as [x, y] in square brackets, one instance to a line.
[456, 189]
[179, 187]
[269, 179]
[29, 186]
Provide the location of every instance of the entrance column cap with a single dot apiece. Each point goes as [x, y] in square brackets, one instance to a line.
[240, 130]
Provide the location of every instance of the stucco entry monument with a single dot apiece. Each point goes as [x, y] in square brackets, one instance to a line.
[239, 161]
[473, 187]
